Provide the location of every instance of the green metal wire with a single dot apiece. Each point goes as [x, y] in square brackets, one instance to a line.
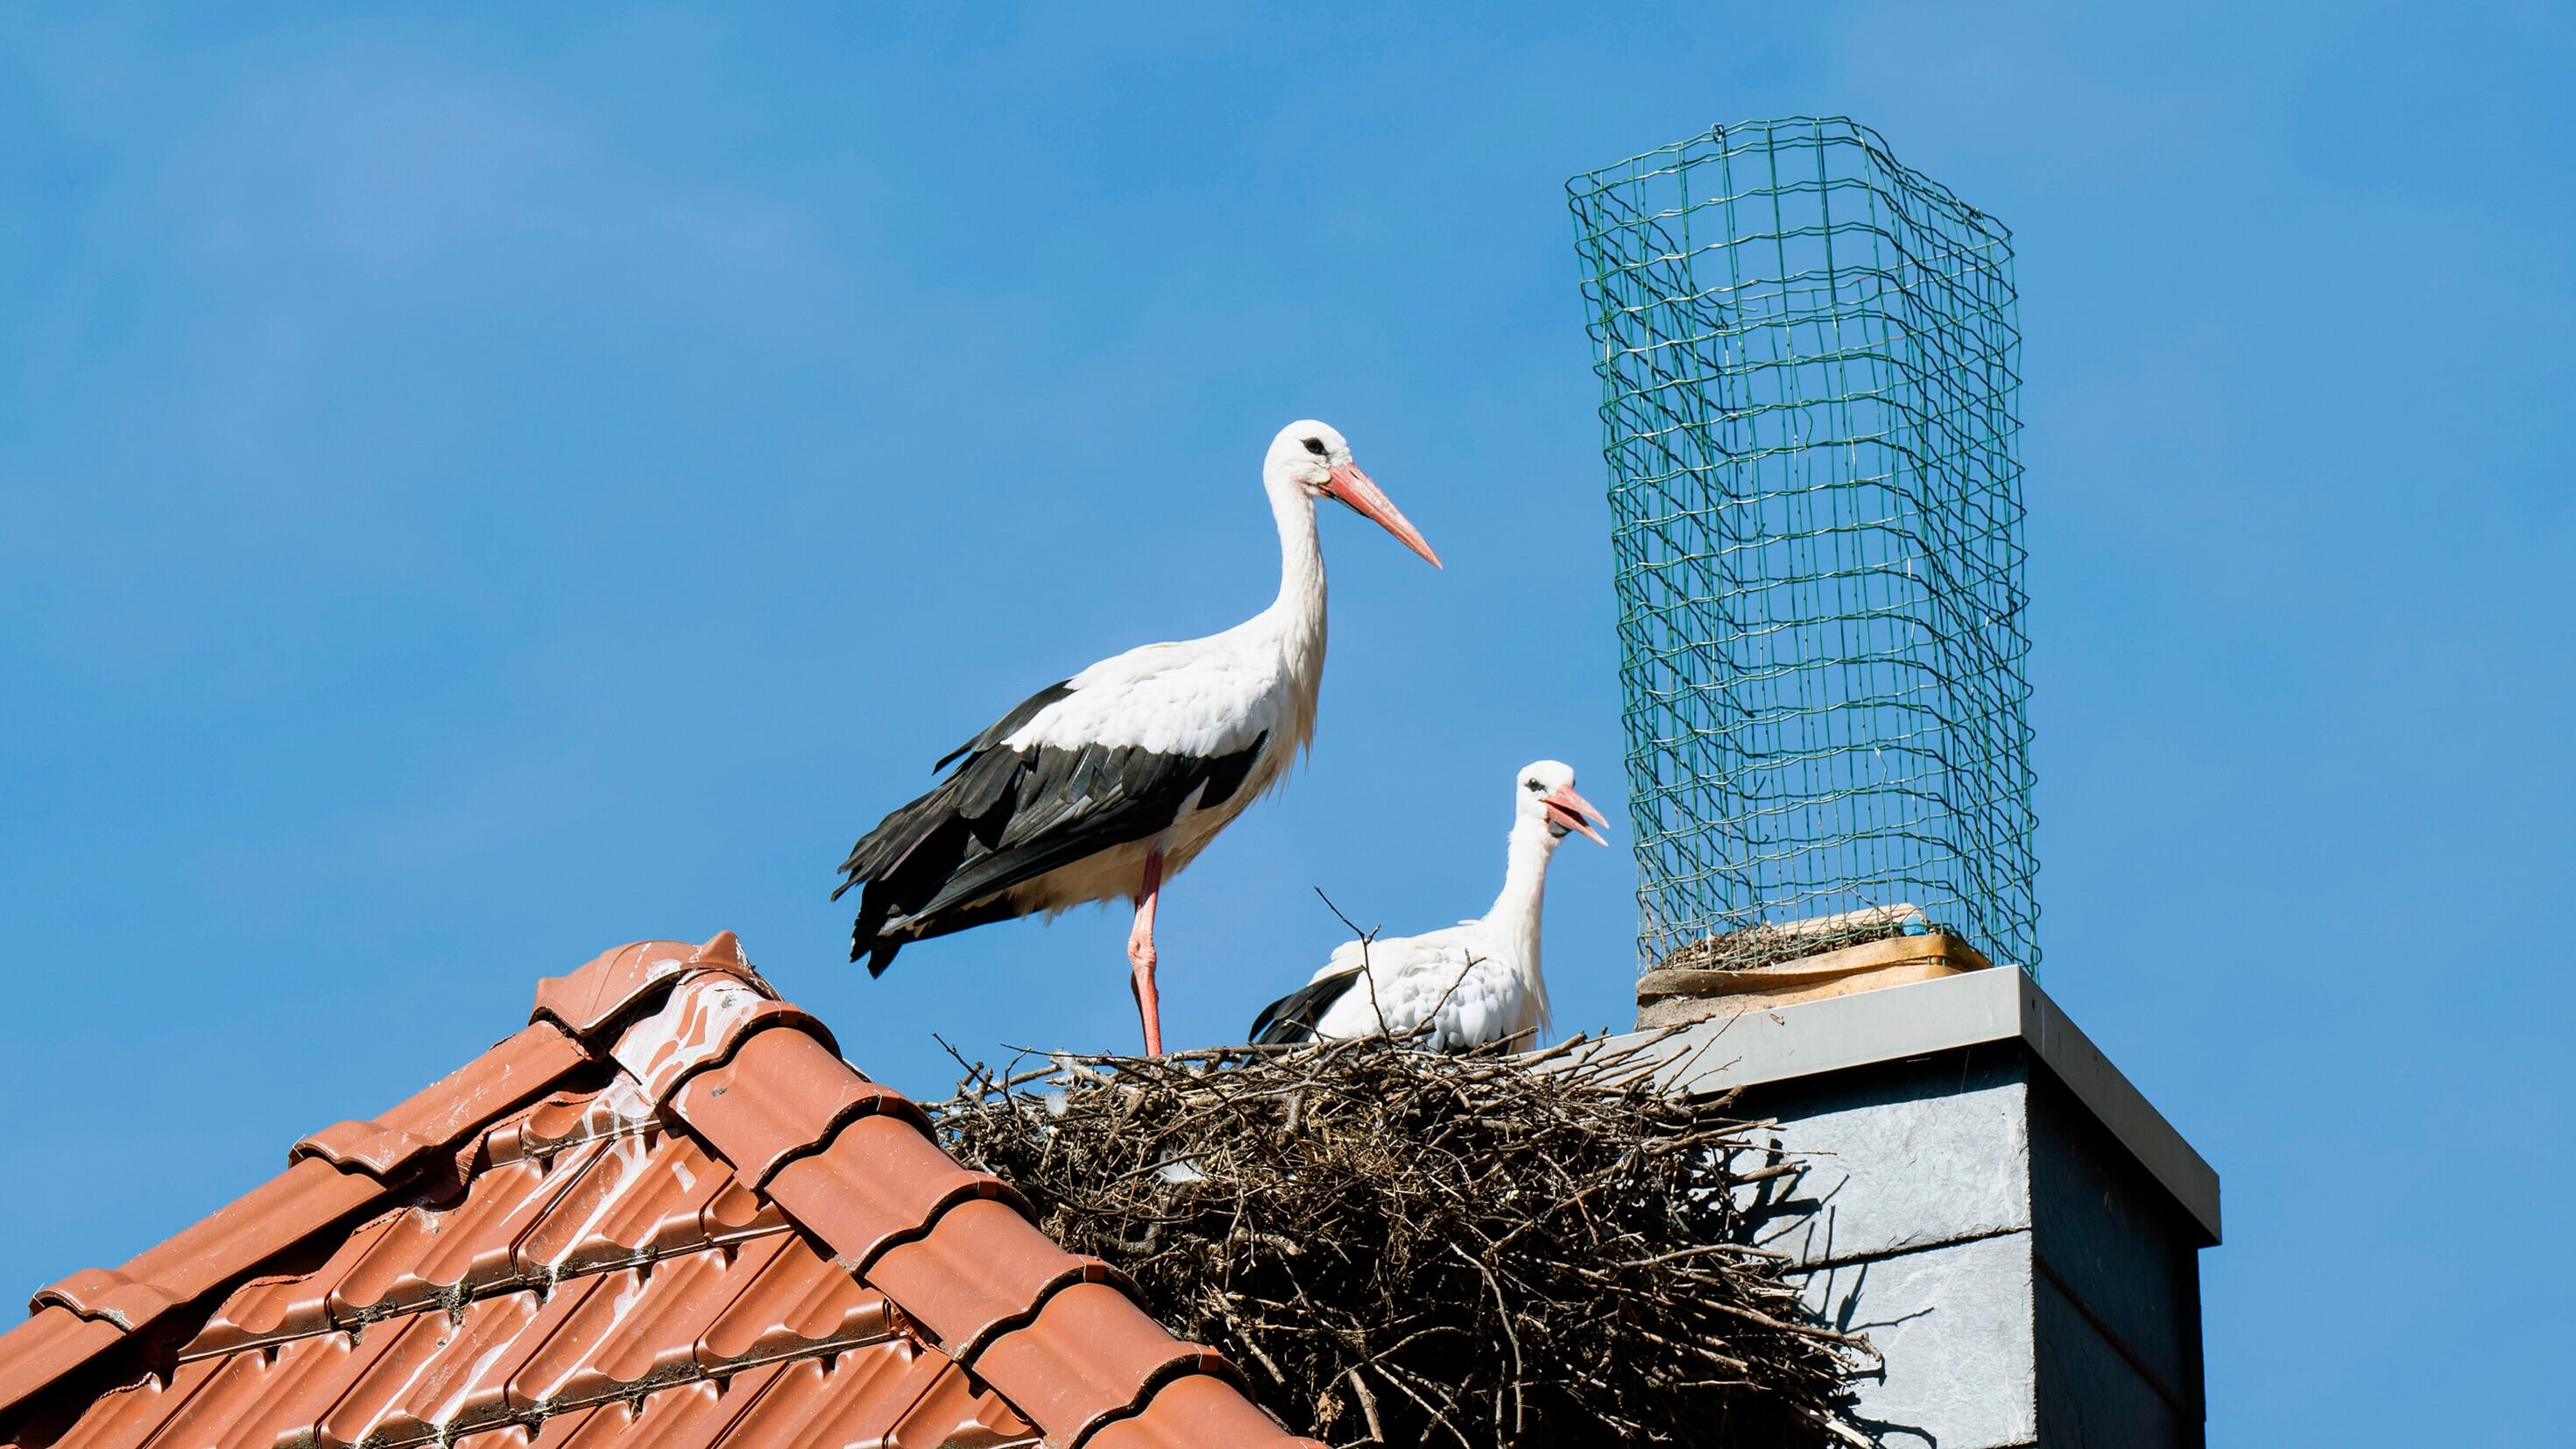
[1809, 362]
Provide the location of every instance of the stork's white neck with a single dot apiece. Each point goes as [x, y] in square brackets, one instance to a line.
[1515, 915]
[1297, 617]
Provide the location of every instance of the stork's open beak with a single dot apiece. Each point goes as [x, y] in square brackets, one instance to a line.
[1568, 809]
[1369, 501]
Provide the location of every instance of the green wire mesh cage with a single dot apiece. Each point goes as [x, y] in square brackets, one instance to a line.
[1809, 363]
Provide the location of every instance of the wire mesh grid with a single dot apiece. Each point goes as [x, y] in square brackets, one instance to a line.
[1809, 361]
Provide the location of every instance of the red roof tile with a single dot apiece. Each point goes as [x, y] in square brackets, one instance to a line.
[1090, 1356]
[665, 1214]
[977, 1271]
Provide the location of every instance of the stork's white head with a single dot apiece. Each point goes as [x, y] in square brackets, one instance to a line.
[1544, 793]
[1315, 460]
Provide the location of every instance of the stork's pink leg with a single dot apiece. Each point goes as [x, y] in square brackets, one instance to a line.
[1140, 954]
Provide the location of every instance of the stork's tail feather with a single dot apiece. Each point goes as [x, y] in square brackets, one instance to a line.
[899, 867]
[1292, 1018]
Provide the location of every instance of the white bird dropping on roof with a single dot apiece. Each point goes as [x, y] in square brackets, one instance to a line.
[1471, 985]
[1102, 786]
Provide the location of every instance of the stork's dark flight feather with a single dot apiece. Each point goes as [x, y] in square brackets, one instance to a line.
[1292, 1017]
[1000, 729]
[1008, 816]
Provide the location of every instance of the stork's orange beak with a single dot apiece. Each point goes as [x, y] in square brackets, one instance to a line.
[1369, 501]
[1568, 809]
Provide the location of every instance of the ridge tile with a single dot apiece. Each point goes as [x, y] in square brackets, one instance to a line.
[1090, 1355]
[597, 996]
[979, 1267]
[878, 1181]
[1194, 1411]
[781, 1095]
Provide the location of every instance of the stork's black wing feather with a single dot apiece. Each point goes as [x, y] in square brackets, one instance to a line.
[1292, 1017]
[1006, 817]
[1009, 724]
[901, 832]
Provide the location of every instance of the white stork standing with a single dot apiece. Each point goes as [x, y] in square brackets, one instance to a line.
[1475, 983]
[1102, 786]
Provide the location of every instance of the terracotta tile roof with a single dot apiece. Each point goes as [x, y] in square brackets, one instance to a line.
[665, 1214]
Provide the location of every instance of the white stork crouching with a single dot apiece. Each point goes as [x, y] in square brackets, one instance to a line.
[1473, 984]
[1102, 786]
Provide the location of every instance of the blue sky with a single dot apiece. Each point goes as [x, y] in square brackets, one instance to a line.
[475, 489]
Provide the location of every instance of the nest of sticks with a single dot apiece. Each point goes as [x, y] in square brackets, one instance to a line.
[1404, 1248]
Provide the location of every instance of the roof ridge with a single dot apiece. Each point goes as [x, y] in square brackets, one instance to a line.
[759, 1084]
[1061, 1337]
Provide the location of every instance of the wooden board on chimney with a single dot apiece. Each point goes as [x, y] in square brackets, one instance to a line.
[1672, 998]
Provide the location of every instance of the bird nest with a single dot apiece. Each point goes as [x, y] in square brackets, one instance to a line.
[1404, 1248]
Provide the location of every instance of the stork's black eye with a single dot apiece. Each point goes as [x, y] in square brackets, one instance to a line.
[1315, 446]
[1535, 785]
